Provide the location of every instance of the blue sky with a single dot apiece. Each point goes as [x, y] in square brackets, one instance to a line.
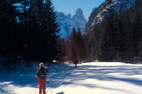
[70, 6]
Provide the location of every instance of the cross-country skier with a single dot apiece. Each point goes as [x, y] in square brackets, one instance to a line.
[41, 73]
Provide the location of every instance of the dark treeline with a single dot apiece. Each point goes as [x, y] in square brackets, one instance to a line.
[73, 48]
[118, 37]
[28, 31]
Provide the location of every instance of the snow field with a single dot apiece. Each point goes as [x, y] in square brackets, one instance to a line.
[88, 78]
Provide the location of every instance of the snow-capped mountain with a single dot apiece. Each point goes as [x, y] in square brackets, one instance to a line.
[67, 22]
[97, 16]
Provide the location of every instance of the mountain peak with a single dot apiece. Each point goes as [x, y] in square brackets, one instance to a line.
[67, 22]
[69, 15]
[97, 16]
[79, 11]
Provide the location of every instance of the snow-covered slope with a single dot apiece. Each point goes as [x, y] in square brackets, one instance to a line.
[88, 78]
[67, 22]
[97, 16]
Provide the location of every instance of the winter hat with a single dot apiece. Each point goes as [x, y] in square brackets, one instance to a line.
[41, 64]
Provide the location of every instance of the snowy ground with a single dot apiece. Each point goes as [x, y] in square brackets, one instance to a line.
[88, 78]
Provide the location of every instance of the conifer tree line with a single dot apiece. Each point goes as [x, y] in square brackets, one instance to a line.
[73, 48]
[118, 37]
[28, 30]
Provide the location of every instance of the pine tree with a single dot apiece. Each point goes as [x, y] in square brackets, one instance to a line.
[67, 50]
[91, 40]
[7, 30]
[39, 31]
[118, 37]
[81, 51]
[8, 46]
[52, 34]
[74, 47]
[128, 40]
[24, 24]
[106, 45]
[137, 34]
[48, 31]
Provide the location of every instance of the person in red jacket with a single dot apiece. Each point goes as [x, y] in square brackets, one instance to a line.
[41, 73]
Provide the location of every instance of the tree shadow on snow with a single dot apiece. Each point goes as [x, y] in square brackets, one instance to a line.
[103, 73]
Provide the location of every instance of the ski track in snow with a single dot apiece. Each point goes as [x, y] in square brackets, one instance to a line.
[88, 78]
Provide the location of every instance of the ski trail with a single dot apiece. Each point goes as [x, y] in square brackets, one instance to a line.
[67, 71]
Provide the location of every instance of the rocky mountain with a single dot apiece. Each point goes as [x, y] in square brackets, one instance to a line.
[67, 22]
[97, 15]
